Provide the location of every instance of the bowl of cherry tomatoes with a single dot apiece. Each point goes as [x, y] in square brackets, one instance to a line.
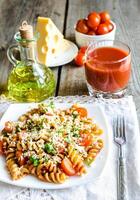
[97, 26]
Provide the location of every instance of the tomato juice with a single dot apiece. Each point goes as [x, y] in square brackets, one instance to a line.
[108, 69]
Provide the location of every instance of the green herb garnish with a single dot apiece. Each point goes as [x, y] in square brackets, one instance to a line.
[4, 133]
[49, 148]
[60, 131]
[76, 135]
[29, 125]
[67, 140]
[46, 160]
[34, 160]
[76, 128]
[74, 115]
[18, 129]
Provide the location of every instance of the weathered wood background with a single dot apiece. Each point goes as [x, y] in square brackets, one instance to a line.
[70, 79]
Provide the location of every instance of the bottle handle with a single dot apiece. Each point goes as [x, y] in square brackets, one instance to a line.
[10, 54]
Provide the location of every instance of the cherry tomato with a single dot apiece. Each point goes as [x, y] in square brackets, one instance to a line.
[90, 26]
[67, 167]
[8, 127]
[109, 26]
[79, 59]
[104, 16]
[82, 111]
[102, 29]
[1, 147]
[20, 157]
[91, 32]
[81, 26]
[83, 49]
[93, 20]
[86, 139]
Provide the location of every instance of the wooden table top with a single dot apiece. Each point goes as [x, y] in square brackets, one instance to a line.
[70, 79]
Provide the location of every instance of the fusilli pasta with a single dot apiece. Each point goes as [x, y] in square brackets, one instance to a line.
[51, 144]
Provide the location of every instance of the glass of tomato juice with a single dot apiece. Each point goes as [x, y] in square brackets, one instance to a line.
[107, 68]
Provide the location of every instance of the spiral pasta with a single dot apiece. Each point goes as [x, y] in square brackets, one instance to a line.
[93, 151]
[49, 173]
[15, 171]
[32, 169]
[47, 167]
[55, 177]
[50, 144]
[76, 160]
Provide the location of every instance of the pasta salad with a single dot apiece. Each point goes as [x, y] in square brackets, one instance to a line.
[50, 143]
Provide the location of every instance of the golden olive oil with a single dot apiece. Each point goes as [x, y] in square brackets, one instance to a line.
[32, 83]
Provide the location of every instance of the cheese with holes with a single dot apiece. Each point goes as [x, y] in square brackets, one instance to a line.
[49, 41]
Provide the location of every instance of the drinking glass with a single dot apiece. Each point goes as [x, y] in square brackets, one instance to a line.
[107, 68]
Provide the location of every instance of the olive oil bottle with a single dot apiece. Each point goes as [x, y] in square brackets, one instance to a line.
[29, 81]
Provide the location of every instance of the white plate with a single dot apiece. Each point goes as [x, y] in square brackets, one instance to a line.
[66, 56]
[93, 172]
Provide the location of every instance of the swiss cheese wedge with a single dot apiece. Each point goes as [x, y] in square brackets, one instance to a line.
[50, 40]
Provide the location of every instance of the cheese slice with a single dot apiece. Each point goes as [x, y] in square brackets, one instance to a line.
[50, 40]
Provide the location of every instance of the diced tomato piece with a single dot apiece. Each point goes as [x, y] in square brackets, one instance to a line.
[61, 150]
[1, 147]
[20, 157]
[86, 139]
[18, 153]
[82, 111]
[67, 167]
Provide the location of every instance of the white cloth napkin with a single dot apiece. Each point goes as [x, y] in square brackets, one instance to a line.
[106, 187]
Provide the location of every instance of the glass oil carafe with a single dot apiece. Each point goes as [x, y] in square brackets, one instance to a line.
[29, 81]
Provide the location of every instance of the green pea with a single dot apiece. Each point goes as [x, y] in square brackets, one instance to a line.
[49, 148]
[34, 160]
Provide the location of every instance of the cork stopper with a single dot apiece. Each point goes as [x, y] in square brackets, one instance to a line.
[26, 31]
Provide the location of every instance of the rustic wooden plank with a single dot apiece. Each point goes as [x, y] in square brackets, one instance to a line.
[12, 13]
[72, 78]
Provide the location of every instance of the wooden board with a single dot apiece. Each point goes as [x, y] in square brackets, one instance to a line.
[12, 13]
